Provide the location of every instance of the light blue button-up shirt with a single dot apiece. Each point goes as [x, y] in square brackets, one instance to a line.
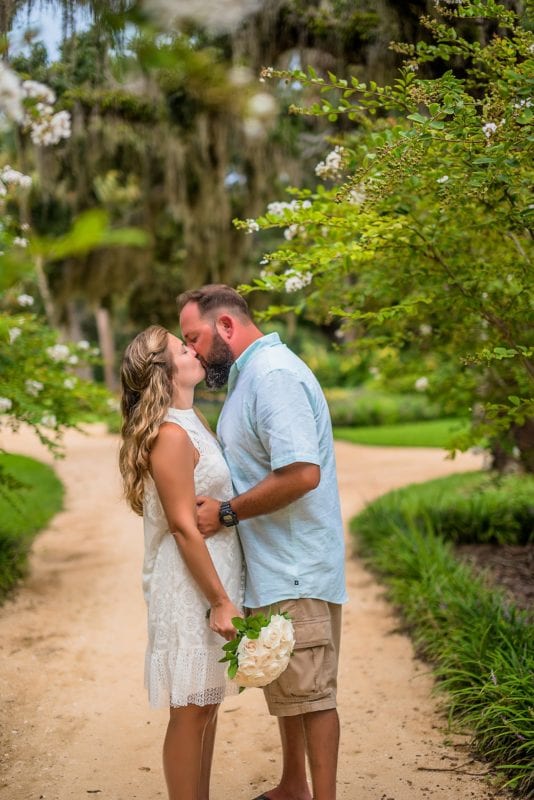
[275, 414]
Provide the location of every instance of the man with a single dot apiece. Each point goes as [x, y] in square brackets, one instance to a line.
[276, 434]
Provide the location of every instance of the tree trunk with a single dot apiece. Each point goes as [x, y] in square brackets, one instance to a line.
[44, 291]
[524, 439]
[107, 346]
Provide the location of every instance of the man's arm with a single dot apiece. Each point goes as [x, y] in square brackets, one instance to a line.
[279, 489]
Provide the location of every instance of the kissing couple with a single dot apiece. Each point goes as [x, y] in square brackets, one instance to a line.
[263, 491]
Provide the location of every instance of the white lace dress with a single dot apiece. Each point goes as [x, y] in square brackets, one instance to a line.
[182, 658]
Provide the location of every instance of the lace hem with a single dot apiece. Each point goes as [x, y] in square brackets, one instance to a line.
[186, 677]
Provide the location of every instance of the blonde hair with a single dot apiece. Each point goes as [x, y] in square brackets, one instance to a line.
[146, 380]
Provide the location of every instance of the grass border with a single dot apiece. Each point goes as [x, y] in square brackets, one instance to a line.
[31, 494]
[480, 646]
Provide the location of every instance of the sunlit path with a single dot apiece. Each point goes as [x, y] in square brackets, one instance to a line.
[74, 715]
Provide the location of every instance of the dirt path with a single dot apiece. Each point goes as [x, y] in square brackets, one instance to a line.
[74, 717]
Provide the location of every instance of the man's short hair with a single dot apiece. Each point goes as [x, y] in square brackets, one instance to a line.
[214, 296]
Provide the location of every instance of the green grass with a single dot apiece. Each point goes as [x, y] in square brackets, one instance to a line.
[481, 647]
[427, 433]
[30, 495]
[466, 508]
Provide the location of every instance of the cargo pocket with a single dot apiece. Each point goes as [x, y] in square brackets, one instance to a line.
[305, 675]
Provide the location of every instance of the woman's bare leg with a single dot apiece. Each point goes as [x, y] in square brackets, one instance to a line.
[208, 743]
[182, 750]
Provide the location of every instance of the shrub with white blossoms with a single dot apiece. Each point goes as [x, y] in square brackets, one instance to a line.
[279, 207]
[296, 280]
[39, 385]
[30, 104]
[421, 384]
[332, 166]
[261, 650]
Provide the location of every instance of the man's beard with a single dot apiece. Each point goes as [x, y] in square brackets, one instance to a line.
[218, 363]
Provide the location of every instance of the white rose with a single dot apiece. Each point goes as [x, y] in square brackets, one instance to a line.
[285, 628]
[249, 649]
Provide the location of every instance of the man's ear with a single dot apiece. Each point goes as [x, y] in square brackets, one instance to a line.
[226, 326]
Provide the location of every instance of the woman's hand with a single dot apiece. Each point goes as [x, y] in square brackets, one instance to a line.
[220, 619]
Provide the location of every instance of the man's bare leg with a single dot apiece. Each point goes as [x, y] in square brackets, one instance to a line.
[321, 731]
[293, 783]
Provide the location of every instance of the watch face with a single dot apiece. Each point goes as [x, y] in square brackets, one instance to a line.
[228, 519]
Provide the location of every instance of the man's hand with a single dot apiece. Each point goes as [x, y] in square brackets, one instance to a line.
[208, 515]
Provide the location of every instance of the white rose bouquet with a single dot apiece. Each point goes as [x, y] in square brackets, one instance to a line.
[261, 650]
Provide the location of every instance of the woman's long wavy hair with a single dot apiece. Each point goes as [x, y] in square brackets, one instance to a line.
[146, 379]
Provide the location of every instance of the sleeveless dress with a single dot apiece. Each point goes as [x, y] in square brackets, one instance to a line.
[182, 657]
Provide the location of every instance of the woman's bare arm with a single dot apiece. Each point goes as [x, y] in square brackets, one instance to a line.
[172, 463]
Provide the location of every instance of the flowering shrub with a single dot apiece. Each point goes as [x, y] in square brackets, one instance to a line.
[261, 650]
[420, 248]
[40, 376]
[40, 385]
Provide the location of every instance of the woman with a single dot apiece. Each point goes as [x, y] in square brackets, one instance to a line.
[193, 587]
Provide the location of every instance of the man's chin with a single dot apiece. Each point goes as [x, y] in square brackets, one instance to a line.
[216, 378]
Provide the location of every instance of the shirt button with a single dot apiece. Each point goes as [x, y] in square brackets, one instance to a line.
[296, 583]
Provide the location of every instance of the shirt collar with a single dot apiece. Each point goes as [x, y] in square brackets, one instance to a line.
[239, 364]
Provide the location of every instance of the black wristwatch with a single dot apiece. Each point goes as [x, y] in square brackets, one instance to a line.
[227, 515]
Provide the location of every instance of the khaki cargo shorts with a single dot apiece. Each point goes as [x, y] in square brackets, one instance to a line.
[310, 681]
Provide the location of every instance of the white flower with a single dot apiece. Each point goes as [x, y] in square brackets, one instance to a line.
[14, 334]
[262, 660]
[425, 329]
[357, 196]
[20, 241]
[279, 207]
[33, 387]
[49, 421]
[421, 384]
[443, 179]
[11, 94]
[25, 300]
[297, 280]
[39, 91]
[261, 106]
[374, 371]
[83, 344]
[291, 232]
[489, 129]
[332, 166]
[58, 352]
[14, 177]
[266, 72]
[50, 130]
[5, 404]
[69, 383]
[72, 359]
[252, 225]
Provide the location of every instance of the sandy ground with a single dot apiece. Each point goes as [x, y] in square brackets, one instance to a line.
[74, 718]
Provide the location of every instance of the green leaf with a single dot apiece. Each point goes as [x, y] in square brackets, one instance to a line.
[232, 669]
[416, 117]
